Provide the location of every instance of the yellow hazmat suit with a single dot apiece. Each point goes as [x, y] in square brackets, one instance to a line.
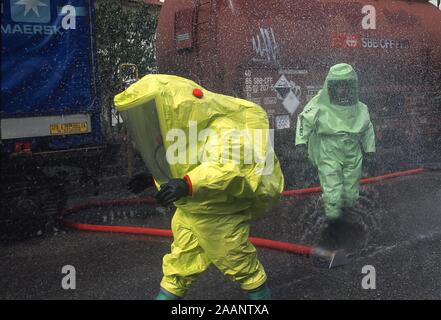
[183, 130]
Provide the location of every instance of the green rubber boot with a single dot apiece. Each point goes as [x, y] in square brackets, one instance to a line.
[333, 213]
[261, 293]
[165, 295]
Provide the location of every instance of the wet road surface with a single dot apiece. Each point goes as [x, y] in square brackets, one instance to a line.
[396, 227]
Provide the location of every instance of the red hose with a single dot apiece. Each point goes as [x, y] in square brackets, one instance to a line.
[260, 242]
[119, 229]
[362, 181]
[282, 246]
[391, 175]
[301, 191]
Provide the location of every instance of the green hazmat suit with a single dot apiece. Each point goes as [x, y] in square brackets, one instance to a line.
[181, 134]
[337, 135]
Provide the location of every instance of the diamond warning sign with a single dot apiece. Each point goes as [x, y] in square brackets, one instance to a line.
[283, 86]
[291, 102]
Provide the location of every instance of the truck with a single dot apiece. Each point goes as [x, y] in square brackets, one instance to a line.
[50, 105]
[49, 88]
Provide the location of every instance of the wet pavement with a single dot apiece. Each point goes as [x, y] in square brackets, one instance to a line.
[395, 227]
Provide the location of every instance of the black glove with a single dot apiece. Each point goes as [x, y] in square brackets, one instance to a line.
[172, 191]
[140, 182]
[302, 151]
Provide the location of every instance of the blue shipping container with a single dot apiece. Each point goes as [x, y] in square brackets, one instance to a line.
[49, 70]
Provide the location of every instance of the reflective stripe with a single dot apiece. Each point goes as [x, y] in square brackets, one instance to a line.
[16, 128]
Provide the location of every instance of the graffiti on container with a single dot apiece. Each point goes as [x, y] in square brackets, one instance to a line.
[265, 46]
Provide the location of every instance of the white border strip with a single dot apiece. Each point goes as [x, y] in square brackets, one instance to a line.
[16, 128]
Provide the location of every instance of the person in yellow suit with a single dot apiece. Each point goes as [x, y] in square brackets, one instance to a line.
[184, 134]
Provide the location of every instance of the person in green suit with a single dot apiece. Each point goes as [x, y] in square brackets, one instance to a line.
[335, 132]
[216, 197]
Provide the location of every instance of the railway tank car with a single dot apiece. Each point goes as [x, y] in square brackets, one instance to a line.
[277, 54]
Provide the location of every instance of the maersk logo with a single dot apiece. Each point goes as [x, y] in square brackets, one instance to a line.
[37, 11]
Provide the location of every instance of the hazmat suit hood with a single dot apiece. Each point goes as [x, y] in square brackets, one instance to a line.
[340, 72]
[345, 114]
[151, 108]
[336, 118]
[166, 116]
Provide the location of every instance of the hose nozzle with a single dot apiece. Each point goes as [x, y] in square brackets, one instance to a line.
[336, 258]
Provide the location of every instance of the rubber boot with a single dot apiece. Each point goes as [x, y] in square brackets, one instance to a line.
[261, 293]
[333, 213]
[165, 295]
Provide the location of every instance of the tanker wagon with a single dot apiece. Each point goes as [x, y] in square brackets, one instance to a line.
[277, 53]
